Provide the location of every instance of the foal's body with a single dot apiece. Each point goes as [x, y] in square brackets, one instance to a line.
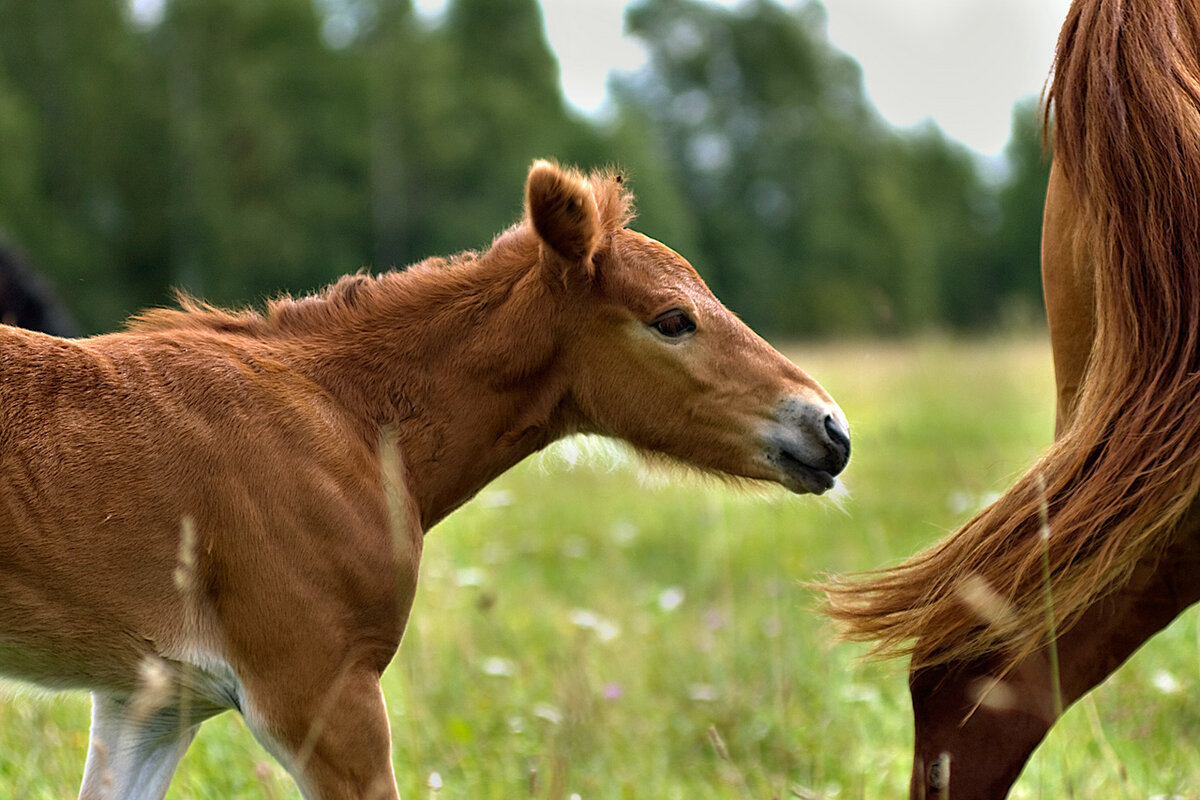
[214, 511]
[286, 583]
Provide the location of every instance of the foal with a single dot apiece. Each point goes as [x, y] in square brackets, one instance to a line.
[216, 511]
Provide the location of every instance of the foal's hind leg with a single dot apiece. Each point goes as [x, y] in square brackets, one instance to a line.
[132, 756]
[977, 725]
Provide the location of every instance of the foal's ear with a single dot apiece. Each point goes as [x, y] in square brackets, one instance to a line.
[563, 211]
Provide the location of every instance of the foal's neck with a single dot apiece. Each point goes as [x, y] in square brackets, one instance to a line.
[459, 361]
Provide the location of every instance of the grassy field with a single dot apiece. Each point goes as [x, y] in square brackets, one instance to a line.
[585, 629]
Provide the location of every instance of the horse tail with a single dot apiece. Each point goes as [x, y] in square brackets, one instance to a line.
[1109, 494]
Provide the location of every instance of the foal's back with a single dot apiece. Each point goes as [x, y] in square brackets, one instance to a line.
[151, 433]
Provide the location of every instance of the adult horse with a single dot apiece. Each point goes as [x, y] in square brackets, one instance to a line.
[1047, 591]
[26, 300]
[217, 510]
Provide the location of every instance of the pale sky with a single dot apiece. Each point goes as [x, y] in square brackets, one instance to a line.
[963, 63]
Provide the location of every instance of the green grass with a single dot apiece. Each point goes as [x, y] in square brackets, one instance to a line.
[590, 630]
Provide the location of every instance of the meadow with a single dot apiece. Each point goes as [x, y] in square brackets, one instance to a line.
[586, 628]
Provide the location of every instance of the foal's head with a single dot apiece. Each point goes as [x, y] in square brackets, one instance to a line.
[655, 359]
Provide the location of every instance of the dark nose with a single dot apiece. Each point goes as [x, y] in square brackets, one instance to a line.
[839, 441]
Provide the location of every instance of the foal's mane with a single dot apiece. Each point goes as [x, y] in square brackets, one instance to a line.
[285, 314]
[1125, 95]
[420, 284]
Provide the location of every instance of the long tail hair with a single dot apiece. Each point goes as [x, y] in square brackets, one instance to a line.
[1124, 102]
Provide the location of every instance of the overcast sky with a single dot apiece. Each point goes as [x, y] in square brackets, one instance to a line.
[963, 63]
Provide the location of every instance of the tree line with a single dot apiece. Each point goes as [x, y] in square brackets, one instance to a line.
[239, 148]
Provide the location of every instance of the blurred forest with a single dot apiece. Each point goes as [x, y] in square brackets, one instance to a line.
[239, 148]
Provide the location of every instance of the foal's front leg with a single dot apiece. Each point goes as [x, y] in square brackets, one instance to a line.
[132, 755]
[977, 725]
[333, 738]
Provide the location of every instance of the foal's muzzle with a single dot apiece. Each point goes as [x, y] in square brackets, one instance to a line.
[809, 444]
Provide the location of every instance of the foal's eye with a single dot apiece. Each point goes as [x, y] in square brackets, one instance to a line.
[673, 323]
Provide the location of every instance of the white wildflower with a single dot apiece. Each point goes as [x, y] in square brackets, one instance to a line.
[670, 598]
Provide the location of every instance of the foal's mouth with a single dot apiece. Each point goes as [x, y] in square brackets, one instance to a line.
[808, 455]
[803, 478]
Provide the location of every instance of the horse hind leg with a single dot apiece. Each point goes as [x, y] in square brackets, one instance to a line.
[1069, 293]
[977, 724]
[132, 754]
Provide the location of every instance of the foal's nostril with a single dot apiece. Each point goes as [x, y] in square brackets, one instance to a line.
[838, 437]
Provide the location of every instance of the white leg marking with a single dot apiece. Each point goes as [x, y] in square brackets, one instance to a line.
[133, 756]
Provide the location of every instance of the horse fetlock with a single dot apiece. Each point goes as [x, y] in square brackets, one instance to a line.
[938, 776]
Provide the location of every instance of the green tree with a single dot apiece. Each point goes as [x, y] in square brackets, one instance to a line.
[458, 114]
[1006, 287]
[74, 146]
[813, 215]
[240, 147]
[267, 148]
